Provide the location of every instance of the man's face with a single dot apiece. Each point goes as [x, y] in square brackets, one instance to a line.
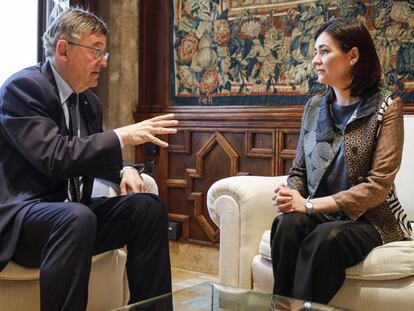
[84, 64]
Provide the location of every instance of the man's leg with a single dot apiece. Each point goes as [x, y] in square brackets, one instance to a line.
[59, 238]
[141, 222]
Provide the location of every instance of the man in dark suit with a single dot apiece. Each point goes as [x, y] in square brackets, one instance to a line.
[52, 146]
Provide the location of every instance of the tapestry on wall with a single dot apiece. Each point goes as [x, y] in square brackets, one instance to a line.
[259, 52]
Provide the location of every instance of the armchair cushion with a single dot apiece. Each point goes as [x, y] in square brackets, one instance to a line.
[15, 272]
[19, 286]
[264, 246]
[391, 261]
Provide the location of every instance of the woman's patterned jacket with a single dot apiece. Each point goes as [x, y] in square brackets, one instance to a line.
[373, 143]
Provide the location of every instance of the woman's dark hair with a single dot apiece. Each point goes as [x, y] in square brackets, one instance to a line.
[349, 33]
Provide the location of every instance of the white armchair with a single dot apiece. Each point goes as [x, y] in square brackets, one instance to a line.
[242, 208]
[108, 286]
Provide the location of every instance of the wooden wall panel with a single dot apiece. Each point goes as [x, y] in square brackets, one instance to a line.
[206, 150]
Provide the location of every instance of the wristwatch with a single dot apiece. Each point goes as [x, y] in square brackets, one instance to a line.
[309, 207]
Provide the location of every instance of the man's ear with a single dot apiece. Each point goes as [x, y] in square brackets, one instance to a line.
[353, 56]
[61, 51]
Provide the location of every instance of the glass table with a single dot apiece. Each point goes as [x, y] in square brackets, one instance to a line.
[210, 296]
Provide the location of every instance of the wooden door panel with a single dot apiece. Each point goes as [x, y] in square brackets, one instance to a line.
[199, 157]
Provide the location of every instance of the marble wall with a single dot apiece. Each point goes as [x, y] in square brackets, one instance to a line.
[118, 85]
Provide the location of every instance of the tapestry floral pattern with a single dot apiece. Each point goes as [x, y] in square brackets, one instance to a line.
[246, 52]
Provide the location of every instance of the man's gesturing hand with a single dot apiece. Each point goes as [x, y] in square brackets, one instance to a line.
[145, 131]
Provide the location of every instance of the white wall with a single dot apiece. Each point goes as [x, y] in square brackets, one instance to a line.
[405, 177]
[18, 36]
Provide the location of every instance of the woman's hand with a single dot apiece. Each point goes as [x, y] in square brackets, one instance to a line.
[287, 200]
[282, 200]
[298, 202]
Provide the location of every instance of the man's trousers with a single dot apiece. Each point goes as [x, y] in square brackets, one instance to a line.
[62, 237]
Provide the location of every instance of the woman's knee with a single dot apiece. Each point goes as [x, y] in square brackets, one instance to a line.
[290, 220]
[290, 226]
[327, 238]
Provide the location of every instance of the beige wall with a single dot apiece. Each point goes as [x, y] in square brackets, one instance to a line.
[118, 85]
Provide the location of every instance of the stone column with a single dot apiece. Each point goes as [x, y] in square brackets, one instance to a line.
[118, 85]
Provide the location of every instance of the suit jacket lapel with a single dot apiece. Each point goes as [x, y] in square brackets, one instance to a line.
[324, 126]
[47, 72]
[321, 145]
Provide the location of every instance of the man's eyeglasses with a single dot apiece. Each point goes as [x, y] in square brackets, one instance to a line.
[98, 53]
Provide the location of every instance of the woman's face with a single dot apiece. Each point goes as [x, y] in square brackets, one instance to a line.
[332, 65]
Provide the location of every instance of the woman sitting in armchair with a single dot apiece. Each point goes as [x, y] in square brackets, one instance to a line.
[339, 202]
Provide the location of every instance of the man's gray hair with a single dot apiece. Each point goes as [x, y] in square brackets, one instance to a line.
[70, 25]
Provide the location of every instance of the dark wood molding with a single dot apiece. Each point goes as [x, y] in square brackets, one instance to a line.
[185, 143]
[257, 149]
[409, 109]
[154, 59]
[262, 117]
[185, 222]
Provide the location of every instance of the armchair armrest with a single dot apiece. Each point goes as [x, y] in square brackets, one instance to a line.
[242, 208]
[150, 183]
[106, 188]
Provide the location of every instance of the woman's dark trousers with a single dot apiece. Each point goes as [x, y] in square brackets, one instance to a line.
[311, 253]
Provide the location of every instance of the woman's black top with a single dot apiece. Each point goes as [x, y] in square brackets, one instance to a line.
[336, 178]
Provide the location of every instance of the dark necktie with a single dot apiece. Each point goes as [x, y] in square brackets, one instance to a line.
[74, 182]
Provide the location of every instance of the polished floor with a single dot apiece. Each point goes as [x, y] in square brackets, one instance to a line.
[182, 278]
